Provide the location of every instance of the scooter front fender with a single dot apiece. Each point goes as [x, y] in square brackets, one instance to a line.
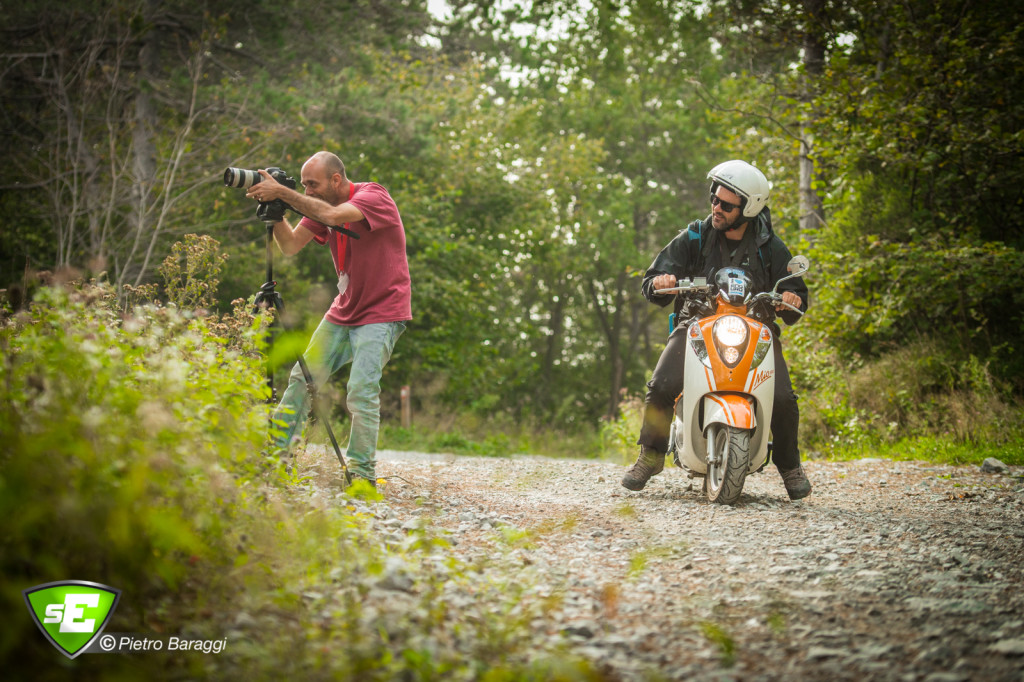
[729, 408]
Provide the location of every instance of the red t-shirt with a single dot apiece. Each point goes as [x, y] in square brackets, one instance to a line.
[379, 288]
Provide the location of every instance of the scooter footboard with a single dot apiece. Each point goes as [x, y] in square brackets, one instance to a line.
[729, 408]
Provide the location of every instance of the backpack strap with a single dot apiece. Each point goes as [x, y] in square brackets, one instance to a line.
[695, 239]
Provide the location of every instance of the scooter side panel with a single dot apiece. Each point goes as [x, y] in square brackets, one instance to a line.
[698, 381]
[762, 387]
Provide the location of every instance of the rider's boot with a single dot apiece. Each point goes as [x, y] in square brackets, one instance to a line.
[796, 482]
[647, 464]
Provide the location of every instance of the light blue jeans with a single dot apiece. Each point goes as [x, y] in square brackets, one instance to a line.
[368, 347]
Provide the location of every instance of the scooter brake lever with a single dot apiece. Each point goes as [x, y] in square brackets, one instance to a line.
[792, 307]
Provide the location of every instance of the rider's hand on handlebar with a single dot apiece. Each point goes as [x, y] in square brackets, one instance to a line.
[663, 282]
[790, 298]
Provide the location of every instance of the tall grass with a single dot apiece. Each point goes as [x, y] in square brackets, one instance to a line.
[920, 401]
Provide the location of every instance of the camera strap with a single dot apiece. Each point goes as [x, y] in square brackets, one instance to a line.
[341, 240]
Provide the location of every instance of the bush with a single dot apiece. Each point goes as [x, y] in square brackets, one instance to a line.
[618, 437]
[132, 458]
[128, 444]
[191, 272]
[920, 398]
[878, 295]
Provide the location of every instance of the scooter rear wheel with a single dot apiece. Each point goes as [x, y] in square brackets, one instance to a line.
[728, 462]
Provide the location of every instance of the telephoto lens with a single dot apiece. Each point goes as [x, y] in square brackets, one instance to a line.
[240, 177]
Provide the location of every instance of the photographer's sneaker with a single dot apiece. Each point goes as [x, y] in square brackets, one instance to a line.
[796, 482]
[648, 463]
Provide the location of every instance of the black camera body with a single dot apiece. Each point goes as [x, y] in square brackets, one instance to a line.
[270, 211]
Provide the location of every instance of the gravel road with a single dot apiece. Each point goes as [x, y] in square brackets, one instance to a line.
[888, 571]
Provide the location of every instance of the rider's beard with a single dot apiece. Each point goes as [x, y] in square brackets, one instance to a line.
[720, 222]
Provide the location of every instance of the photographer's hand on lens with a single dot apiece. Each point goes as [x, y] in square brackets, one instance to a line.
[267, 189]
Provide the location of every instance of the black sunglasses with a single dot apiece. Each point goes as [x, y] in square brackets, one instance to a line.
[726, 206]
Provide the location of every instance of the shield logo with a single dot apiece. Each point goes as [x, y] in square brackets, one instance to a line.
[71, 613]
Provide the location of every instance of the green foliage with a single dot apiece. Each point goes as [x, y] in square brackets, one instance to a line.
[364, 490]
[133, 458]
[881, 294]
[637, 565]
[191, 272]
[618, 436]
[917, 121]
[919, 400]
[537, 172]
[592, 86]
[497, 444]
[918, 268]
[470, 434]
[128, 442]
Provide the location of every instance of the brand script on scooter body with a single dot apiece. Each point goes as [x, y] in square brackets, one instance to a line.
[761, 377]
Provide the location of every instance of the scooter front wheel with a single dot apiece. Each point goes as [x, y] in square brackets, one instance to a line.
[728, 461]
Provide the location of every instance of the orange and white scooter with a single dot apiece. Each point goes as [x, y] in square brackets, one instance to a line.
[720, 430]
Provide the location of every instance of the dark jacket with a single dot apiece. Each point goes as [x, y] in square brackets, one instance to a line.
[697, 252]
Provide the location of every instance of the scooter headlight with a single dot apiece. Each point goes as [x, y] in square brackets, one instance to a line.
[731, 334]
[731, 330]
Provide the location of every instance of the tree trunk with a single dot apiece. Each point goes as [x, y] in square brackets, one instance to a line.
[553, 350]
[143, 149]
[611, 322]
[812, 213]
[615, 351]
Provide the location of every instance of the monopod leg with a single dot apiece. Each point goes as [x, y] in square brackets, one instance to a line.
[311, 387]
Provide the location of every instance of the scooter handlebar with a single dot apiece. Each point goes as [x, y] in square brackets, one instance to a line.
[685, 286]
[792, 307]
[776, 299]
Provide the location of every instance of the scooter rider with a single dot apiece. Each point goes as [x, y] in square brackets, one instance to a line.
[739, 233]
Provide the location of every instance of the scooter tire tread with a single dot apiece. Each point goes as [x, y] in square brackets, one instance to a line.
[736, 469]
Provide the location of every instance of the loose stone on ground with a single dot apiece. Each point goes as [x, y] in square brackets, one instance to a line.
[888, 571]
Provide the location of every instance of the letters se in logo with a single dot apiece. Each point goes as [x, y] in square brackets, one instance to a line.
[71, 613]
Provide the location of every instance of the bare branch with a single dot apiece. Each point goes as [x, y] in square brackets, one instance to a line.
[708, 97]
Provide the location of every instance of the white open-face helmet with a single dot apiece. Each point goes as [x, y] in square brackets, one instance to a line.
[740, 177]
